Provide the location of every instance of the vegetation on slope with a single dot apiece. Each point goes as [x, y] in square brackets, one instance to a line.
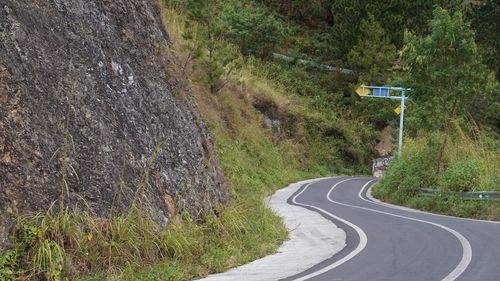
[469, 167]
[327, 30]
[447, 61]
[453, 86]
[274, 123]
[268, 132]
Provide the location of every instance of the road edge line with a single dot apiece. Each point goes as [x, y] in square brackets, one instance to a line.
[247, 271]
[363, 239]
[408, 209]
[466, 247]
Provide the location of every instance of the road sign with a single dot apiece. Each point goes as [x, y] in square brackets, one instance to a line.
[381, 92]
[398, 110]
[363, 91]
[388, 92]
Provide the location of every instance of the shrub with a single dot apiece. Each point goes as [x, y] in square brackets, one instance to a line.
[410, 186]
[8, 261]
[461, 176]
[469, 168]
[252, 29]
[414, 170]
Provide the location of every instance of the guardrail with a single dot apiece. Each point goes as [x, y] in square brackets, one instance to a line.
[323, 67]
[380, 165]
[478, 195]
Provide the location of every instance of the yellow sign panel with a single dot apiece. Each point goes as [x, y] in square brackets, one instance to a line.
[398, 110]
[363, 91]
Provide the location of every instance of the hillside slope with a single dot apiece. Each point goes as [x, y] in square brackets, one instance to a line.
[92, 116]
[101, 117]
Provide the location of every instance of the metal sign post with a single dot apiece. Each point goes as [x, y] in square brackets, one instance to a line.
[386, 92]
[401, 123]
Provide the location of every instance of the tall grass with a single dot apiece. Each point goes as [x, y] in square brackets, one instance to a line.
[469, 165]
[256, 161]
[67, 245]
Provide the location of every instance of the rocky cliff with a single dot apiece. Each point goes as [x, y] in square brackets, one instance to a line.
[91, 114]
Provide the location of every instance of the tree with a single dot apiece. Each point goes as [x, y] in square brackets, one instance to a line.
[205, 34]
[393, 16]
[372, 58]
[252, 29]
[445, 69]
[309, 12]
[484, 19]
[373, 55]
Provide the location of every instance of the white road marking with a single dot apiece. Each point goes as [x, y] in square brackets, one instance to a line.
[362, 235]
[312, 239]
[466, 248]
[459, 269]
[388, 205]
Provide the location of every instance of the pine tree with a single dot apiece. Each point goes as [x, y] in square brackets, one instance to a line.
[205, 37]
[373, 55]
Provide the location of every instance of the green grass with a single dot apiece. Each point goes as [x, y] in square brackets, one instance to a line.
[447, 205]
[131, 247]
[315, 140]
[468, 166]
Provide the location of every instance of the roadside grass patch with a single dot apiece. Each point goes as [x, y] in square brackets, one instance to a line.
[312, 140]
[469, 166]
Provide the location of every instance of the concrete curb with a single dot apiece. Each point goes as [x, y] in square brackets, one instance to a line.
[312, 239]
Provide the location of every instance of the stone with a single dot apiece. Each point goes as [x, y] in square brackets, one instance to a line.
[87, 95]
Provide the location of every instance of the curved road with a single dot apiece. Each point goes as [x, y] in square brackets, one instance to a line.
[386, 242]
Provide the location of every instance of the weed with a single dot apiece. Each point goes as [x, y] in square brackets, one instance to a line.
[8, 260]
[467, 168]
[313, 140]
[48, 258]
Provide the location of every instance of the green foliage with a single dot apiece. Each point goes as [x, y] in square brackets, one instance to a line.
[445, 67]
[454, 206]
[32, 253]
[484, 19]
[204, 36]
[327, 30]
[348, 15]
[48, 259]
[461, 176]
[67, 245]
[252, 29]
[468, 163]
[373, 55]
[372, 58]
[411, 172]
[8, 261]
[468, 168]
[308, 12]
[394, 16]
[322, 121]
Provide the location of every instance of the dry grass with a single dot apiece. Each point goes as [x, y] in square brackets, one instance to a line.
[255, 160]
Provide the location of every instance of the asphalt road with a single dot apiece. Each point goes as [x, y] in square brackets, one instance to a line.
[386, 242]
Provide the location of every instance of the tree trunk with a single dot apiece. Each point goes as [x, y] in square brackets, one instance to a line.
[446, 134]
[213, 89]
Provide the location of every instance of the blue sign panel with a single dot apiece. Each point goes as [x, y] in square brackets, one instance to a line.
[381, 92]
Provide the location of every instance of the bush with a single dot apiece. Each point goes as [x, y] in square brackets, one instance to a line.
[414, 170]
[410, 186]
[252, 29]
[461, 176]
[469, 168]
[8, 260]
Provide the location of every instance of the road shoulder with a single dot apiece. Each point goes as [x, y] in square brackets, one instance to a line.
[312, 239]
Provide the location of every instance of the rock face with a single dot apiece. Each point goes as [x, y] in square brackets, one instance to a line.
[91, 114]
